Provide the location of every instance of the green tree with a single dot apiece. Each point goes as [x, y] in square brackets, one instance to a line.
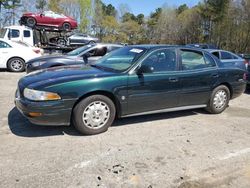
[181, 8]
[41, 4]
[110, 10]
[54, 5]
[86, 11]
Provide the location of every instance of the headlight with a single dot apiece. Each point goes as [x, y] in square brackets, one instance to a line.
[36, 95]
[39, 63]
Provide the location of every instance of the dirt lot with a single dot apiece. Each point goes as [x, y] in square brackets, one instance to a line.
[181, 149]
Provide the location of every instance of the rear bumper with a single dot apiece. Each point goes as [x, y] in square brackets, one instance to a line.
[52, 112]
[238, 89]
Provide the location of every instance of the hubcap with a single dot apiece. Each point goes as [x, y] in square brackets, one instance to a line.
[66, 26]
[96, 115]
[220, 99]
[16, 65]
[31, 22]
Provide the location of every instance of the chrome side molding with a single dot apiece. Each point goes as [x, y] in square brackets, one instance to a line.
[167, 110]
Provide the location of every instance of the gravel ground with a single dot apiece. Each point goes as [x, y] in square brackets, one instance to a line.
[189, 149]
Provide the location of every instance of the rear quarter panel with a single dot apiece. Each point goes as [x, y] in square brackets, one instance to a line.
[233, 77]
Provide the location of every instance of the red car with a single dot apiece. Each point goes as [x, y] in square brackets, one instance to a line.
[49, 18]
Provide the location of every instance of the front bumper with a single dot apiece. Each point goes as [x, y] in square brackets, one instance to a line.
[52, 112]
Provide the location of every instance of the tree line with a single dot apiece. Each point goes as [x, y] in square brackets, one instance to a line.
[225, 23]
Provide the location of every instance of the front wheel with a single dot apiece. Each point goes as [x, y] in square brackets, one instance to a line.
[219, 100]
[66, 26]
[94, 114]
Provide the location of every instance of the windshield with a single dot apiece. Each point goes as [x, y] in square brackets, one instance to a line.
[121, 59]
[2, 32]
[78, 51]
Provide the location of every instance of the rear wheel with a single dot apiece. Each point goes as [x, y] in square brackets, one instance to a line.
[94, 114]
[219, 100]
[31, 22]
[66, 26]
[16, 65]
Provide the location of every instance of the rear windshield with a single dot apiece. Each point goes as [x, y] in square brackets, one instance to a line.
[78, 51]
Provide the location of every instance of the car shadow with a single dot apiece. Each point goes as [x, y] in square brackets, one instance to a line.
[20, 126]
[247, 91]
[3, 70]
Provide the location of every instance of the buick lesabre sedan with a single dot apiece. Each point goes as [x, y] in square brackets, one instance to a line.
[134, 80]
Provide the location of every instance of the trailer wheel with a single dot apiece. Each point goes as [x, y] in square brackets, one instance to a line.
[66, 26]
[31, 22]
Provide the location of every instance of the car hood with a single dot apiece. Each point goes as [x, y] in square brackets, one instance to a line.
[52, 57]
[56, 75]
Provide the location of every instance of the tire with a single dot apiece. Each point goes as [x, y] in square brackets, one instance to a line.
[31, 22]
[94, 115]
[219, 100]
[16, 64]
[66, 26]
[61, 42]
[92, 42]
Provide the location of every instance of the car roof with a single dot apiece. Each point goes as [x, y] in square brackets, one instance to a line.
[17, 27]
[106, 44]
[152, 46]
[156, 46]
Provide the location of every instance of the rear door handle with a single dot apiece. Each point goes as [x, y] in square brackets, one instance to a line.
[173, 79]
[215, 75]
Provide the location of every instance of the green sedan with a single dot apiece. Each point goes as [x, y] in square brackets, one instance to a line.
[134, 80]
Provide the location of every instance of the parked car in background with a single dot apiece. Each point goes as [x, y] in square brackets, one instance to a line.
[203, 46]
[247, 62]
[228, 58]
[50, 19]
[34, 48]
[77, 39]
[130, 81]
[14, 55]
[86, 54]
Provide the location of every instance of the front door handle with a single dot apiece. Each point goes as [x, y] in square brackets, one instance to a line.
[173, 79]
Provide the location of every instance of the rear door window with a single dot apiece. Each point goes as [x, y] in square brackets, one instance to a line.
[226, 55]
[26, 33]
[192, 60]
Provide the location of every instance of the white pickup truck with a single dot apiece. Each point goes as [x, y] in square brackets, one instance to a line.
[18, 33]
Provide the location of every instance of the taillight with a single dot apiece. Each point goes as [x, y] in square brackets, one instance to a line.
[37, 51]
[247, 63]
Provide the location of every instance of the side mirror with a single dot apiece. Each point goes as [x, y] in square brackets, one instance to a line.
[41, 15]
[85, 58]
[9, 34]
[145, 69]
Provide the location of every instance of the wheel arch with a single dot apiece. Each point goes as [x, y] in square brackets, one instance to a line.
[228, 86]
[108, 94]
[13, 58]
